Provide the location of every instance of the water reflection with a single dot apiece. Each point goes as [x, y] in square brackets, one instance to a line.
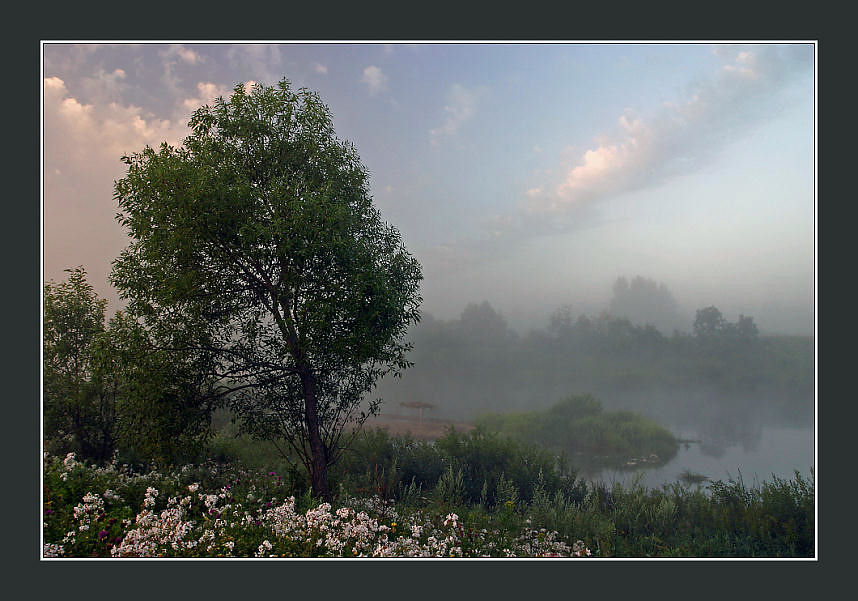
[718, 436]
[756, 455]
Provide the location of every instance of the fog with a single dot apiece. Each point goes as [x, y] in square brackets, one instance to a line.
[709, 376]
[525, 309]
[573, 206]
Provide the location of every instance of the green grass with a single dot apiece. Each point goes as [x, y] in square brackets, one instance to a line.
[507, 492]
[513, 489]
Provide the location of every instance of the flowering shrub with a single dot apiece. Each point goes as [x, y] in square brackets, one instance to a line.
[179, 519]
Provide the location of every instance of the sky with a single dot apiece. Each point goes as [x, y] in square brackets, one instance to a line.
[531, 176]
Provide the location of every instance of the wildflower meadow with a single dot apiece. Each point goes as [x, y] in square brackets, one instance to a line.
[389, 509]
[124, 514]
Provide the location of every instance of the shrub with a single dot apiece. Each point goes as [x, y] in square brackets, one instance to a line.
[593, 437]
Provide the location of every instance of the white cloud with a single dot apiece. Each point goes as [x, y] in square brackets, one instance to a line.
[207, 92]
[103, 86]
[675, 140]
[320, 68]
[173, 55]
[375, 79]
[104, 129]
[461, 106]
[54, 83]
[83, 143]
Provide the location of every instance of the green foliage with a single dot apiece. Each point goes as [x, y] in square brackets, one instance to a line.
[709, 322]
[79, 414]
[108, 389]
[777, 517]
[450, 490]
[591, 436]
[164, 404]
[477, 363]
[725, 519]
[257, 252]
[644, 301]
[710, 325]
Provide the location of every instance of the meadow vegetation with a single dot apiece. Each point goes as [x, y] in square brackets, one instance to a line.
[466, 495]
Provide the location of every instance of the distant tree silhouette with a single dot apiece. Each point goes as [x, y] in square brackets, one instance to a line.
[644, 301]
[709, 322]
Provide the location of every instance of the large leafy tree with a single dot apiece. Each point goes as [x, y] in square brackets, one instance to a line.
[257, 251]
[78, 414]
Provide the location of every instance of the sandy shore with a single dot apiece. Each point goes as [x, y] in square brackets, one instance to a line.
[430, 429]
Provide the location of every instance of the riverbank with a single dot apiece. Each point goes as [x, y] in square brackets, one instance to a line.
[465, 495]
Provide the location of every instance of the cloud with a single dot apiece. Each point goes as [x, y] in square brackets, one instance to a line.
[105, 129]
[207, 92]
[375, 79]
[185, 55]
[320, 68]
[638, 152]
[648, 151]
[83, 143]
[104, 86]
[461, 106]
[173, 56]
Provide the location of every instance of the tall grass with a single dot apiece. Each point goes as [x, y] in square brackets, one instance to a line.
[499, 483]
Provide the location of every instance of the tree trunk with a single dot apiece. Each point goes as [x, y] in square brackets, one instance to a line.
[319, 471]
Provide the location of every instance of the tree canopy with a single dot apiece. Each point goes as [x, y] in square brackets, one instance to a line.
[107, 389]
[256, 249]
[76, 417]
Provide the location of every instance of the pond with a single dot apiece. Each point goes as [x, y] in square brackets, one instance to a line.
[756, 456]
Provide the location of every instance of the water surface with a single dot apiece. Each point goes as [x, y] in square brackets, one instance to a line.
[759, 454]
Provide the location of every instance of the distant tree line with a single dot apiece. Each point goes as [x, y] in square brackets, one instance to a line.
[721, 370]
[645, 301]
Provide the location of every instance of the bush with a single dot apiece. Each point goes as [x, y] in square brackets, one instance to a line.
[377, 463]
[593, 437]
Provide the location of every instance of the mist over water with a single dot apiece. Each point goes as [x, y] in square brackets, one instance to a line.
[745, 398]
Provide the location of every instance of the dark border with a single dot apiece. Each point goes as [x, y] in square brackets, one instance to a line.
[149, 21]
